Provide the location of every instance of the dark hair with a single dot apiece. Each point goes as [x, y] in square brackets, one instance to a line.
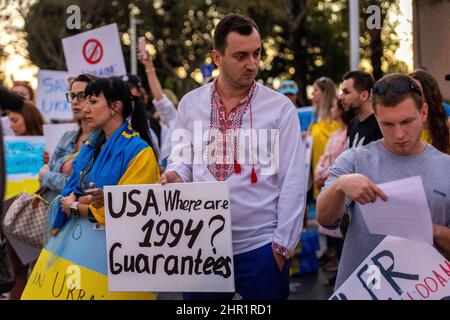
[362, 81]
[132, 80]
[84, 77]
[437, 118]
[9, 100]
[115, 89]
[232, 23]
[347, 115]
[33, 119]
[391, 97]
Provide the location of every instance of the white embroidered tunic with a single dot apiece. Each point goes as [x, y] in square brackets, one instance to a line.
[208, 146]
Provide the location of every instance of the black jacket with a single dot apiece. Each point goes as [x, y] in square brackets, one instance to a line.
[8, 101]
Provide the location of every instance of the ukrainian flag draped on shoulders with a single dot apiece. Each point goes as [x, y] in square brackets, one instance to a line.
[123, 159]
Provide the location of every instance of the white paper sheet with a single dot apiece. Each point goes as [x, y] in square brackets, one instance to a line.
[406, 213]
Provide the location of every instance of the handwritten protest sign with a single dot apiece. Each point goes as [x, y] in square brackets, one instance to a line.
[24, 155]
[54, 132]
[23, 161]
[96, 52]
[51, 95]
[399, 269]
[169, 238]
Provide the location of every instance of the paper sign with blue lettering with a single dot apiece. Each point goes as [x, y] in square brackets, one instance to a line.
[399, 269]
[51, 95]
[23, 161]
[169, 238]
[96, 52]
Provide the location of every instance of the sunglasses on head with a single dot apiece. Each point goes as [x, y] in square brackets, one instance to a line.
[399, 86]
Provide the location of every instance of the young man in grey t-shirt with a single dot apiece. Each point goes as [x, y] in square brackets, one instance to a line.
[401, 112]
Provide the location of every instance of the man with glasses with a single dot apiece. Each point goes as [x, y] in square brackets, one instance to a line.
[401, 112]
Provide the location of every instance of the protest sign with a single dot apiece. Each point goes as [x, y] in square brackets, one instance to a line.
[54, 132]
[72, 266]
[169, 238]
[23, 161]
[96, 52]
[51, 95]
[399, 269]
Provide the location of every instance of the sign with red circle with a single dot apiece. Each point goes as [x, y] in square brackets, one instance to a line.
[97, 51]
[92, 51]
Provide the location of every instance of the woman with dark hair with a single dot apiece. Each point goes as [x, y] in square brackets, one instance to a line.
[436, 130]
[27, 121]
[54, 175]
[116, 153]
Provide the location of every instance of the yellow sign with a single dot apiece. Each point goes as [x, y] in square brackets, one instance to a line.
[13, 188]
[54, 278]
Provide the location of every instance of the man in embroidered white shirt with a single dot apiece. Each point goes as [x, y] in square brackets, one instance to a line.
[235, 114]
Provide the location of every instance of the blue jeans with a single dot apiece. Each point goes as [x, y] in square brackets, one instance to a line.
[257, 277]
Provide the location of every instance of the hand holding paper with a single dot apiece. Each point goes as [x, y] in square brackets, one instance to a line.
[360, 189]
[405, 214]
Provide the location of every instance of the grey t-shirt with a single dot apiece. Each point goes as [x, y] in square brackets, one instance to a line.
[380, 166]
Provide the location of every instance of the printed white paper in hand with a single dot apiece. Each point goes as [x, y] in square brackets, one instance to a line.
[406, 213]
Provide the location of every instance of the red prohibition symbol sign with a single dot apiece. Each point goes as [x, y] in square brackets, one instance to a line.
[92, 51]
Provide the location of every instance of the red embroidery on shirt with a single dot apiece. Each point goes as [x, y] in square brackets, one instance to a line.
[224, 133]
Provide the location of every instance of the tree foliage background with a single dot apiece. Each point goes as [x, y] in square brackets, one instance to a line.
[302, 39]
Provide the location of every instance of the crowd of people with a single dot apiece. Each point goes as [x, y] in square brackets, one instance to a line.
[363, 132]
